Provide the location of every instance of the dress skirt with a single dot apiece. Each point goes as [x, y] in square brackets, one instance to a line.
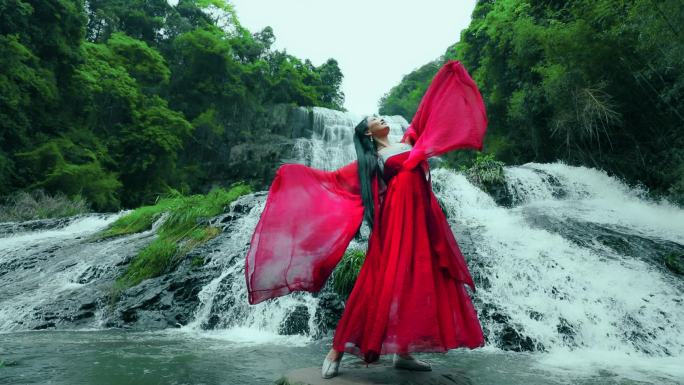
[405, 299]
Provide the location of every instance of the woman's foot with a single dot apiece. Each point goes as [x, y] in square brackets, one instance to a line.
[331, 364]
[405, 361]
[334, 355]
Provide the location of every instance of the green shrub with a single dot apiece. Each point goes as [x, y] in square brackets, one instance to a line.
[345, 273]
[38, 204]
[485, 171]
[675, 262]
[60, 165]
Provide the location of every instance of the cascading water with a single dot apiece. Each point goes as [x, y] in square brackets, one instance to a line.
[224, 305]
[574, 268]
[571, 272]
[54, 270]
[573, 265]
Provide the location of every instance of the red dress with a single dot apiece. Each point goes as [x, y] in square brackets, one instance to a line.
[410, 294]
[403, 301]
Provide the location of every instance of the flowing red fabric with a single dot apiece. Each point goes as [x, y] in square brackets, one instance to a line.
[308, 220]
[451, 115]
[311, 215]
[409, 295]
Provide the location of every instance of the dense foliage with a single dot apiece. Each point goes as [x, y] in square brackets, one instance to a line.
[119, 101]
[595, 83]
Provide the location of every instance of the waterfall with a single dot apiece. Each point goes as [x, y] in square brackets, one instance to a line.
[224, 307]
[572, 269]
[575, 263]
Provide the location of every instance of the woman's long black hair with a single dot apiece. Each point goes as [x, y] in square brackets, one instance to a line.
[368, 167]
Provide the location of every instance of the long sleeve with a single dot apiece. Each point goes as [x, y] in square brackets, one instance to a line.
[451, 115]
[309, 218]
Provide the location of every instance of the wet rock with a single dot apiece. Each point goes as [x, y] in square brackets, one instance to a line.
[92, 273]
[566, 330]
[518, 192]
[36, 224]
[328, 313]
[224, 312]
[237, 209]
[166, 301]
[297, 322]
[488, 175]
[46, 325]
[675, 262]
[512, 339]
[509, 336]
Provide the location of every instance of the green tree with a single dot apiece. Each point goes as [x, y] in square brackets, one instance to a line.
[595, 83]
[138, 96]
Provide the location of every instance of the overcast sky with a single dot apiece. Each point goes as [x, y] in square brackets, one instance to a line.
[376, 42]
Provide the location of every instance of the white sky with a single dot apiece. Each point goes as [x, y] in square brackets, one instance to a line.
[376, 42]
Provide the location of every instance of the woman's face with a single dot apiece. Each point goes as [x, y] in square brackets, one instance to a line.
[377, 126]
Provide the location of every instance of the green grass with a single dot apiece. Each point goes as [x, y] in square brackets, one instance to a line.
[197, 261]
[181, 231]
[345, 273]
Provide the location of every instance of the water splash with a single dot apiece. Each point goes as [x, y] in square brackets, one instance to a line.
[224, 303]
[572, 271]
[55, 265]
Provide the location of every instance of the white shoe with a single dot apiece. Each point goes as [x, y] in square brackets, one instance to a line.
[330, 368]
[410, 364]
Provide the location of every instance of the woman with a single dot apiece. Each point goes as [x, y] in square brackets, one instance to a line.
[409, 295]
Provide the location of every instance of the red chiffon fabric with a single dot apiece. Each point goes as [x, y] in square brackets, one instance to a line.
[309, 218]
[450, 115]
[409, 295]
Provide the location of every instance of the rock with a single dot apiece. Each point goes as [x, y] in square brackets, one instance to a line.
[328, 313]
[297, 322]
[488, 175]
[7, 228]
[374, 374]
[256, 156]
[165, 301]
[675, 263]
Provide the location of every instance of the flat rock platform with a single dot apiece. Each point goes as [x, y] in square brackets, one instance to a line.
[373, 375]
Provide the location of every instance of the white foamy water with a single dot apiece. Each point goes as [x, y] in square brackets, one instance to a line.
[615, 310]
[46, 266]
[573, 268]
[83, 226]
[595, 197]
[225, 297]
[591, 307]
